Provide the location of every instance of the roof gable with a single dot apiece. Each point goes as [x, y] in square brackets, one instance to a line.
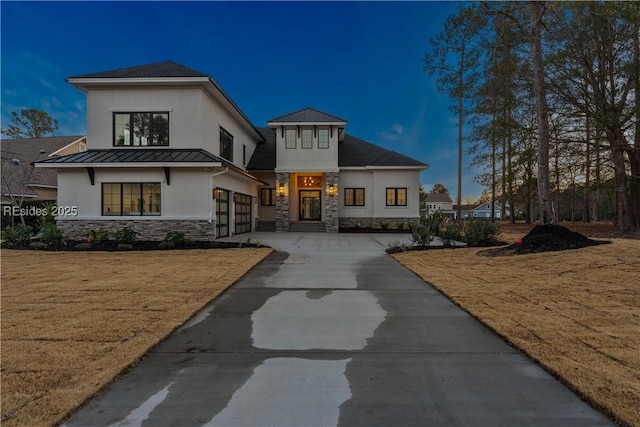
[439, 198]
[307, 115]
[158, 69]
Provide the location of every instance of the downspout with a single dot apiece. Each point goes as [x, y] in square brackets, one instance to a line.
[226, 169]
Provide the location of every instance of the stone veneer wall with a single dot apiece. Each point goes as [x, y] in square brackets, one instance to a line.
[331, 203]
[282, 202]
[377, 223]
[148, 229]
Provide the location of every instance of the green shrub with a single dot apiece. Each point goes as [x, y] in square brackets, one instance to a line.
[98, 236]
[173, 239]
[400, 225]
[38, 245]
[421, 235]
[16, 236]
[50, 234]
[433, 223]
[127, 236]
[480, 232]
[384, 225]
[451, 231]
[84, 246]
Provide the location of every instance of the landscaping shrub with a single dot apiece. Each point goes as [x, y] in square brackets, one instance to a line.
[16, 235]
[84, 246]
[451, 231]
[421, 235]
[172, 240]
[98, 236]
[50, 234]
[480, 232]
[127, 236]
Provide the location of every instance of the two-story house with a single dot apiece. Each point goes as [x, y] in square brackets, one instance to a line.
[439, 202]
[170, 151]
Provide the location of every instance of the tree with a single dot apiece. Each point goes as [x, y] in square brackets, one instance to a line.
[16, 176]
[454, 56]
[544, 194]
[439, 188]
[31, 123]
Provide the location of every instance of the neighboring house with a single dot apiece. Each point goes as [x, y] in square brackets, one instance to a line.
[170, 151]
[440, 202]
[20, 180]
[481, 210]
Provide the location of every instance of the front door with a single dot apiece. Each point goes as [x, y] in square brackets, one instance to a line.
[309, 204]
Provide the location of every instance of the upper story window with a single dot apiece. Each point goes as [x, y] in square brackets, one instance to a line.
[244, 154]
[140, 129]
[307, 138]
[226, 144]
[323, 138]
[396, 197]
[290, 138]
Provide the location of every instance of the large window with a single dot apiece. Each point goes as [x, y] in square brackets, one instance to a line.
[307, 138]
[290, 138]
[226, 144]
[323, 138]
[396, 197]
[140, 129]
[242, 204]
[268, 196]
[354, 196]
[137, 199]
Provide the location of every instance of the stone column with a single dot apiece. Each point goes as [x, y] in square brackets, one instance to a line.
[331, 210]
[282, 202]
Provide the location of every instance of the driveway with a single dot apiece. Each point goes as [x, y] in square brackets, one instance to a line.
[331, 331]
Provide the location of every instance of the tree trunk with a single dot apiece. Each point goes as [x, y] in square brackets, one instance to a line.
[615, 137]
[460, 117]
[537, 10]
[586, 215]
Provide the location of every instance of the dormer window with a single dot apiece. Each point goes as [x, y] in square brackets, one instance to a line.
[307, 138]
[140, 129]
[290, 138]
[323, 138]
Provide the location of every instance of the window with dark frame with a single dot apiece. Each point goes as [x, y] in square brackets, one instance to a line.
[131, 199]
[267, 196]
[323, 138]
[354, 196]
[290, 138]
[244, 154]
[226, 144]
[396, 197]
[140, 129]
[307, 138]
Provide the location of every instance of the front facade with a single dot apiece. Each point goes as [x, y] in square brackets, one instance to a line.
[170, 151]
[440, 202]
[481, 211]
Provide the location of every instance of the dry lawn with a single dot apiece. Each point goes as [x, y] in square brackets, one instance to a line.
[576, 312]
[72, 322]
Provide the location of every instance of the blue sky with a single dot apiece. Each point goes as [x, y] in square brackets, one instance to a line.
[361, 61]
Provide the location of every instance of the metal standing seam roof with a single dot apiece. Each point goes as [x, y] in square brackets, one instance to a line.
[138, 156]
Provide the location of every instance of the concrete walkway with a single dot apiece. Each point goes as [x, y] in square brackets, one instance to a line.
[331, 331]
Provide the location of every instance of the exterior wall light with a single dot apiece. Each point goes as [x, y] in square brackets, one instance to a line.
[281, 190]
[331, 190]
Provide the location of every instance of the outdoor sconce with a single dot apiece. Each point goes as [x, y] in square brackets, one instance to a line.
[331, 190]
[281, 190]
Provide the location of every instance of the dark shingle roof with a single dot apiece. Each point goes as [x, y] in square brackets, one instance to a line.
[351, 152]
[439, 197]
[357, 152]
[264, 156]
[28, 150]
[138, 156]
[307, 115]
[158, 69]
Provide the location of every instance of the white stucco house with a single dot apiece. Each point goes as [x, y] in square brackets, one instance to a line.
[169, 150]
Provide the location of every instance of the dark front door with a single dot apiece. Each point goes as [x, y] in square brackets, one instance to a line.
[309, 205]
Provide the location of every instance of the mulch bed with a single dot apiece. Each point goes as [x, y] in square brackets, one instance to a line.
[546, 238]
[142, 245]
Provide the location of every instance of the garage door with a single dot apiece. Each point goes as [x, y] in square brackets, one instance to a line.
[242, 206]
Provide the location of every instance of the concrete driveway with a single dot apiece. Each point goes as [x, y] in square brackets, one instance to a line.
[328, 331]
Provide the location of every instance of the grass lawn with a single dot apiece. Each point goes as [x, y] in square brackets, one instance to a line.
[576, 312]
[72, 322]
